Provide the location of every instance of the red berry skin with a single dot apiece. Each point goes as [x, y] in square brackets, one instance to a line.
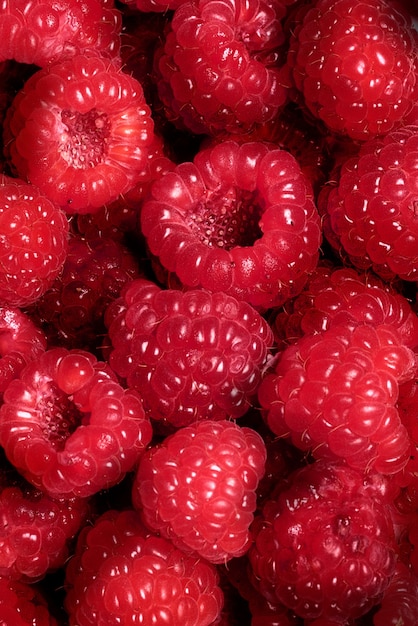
[80, 129]
[68, 426]
[123, 574]
[37, 32]
[370, 212]
[191, 355]
[239, 219]
[324, 546]
[34, 238]
[198, 488]
[399, 604]
[356, 65]
[335, 393]
[22, 604]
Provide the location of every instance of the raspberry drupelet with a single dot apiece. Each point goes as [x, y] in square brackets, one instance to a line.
[191, 355]
[81, 130]
[22, 604]
[239, 219]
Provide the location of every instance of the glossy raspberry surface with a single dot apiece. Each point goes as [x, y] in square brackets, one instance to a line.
[22, 604]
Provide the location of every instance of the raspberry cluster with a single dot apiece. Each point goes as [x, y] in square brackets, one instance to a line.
[209, 313]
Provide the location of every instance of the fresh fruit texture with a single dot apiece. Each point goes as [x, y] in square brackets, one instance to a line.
[370, 211]
[399, 605]
[335, 394]
[218, 68]
[193, 355]
[355, 64]
[38, 32]
[324, 545]
[239, 219]
[198, 488]
[336, 294]
[80, 130]
[156, 6]
[35, 530]
[21, 341]
[71, 311]
[68, 426]
[122, 573]
[23, 605]
[34, 233]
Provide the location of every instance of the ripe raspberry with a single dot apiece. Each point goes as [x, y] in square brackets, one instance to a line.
[191, 355]
[356, 65]
[71, 311]
[80, 129]
[33, 232]
[38, 32]
[122, 573]
[35, 530]
[68, 427]
[156, 6]
[335, 393]
[238, 219]
[20, 342]
[23, 605]
[324, 545]
[334, 295]
[198, 488]
[218, 68]
[370, 213]
[399, 604]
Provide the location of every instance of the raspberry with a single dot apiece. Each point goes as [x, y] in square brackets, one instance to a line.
[156, 6]
[198, 488]
[80, 129]
[356, 65]
[399, 605]
[23, 605]
[69, 427]
[218, 67]
[33, 232]
[191, 356]
[324, 545]
[72, 310]
[370, 212]
[20, 342]
[38, 32]
[238, 219]
[122, 573]
[335, 393]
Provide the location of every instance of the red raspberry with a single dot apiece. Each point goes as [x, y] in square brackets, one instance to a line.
[33, 232]
[356, 65]
[370, 212]
[80, 129]
[198, 488]
[335, 393]
[20, 342]
[399, 605]
[122, 574]
[23, 605]
[335, 295]
[39, 32]
[35, 530]
[218, 68]
[239, 219]
[324, 545]
[191, 355]
[69, 427]
[156, 6]
[72, 310]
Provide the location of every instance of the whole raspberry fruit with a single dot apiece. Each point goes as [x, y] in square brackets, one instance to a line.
[198, 488]
[69, 427]
[239, 219]
[370, 211]
[23, 605]
[355, 64]
[37, 32]
[324, 545]
[218, 68]
[34, 233]
[121, 574]
[335, 393]
[191, 355]
[80, 129]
